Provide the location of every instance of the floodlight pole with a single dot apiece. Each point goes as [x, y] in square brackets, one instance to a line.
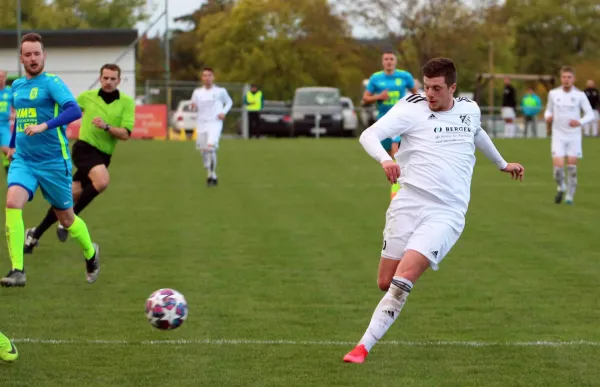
[167, 56]
[19, 17]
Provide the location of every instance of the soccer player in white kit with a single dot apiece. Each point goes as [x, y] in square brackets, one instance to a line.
[435, 166]
[563, 110]
[212, 103]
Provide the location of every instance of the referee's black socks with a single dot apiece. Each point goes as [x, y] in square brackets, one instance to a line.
[87, 195]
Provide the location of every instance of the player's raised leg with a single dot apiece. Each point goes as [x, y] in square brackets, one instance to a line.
[57, 189]
[97, 182]
[79, 231]
[8, 351]
[33, 235]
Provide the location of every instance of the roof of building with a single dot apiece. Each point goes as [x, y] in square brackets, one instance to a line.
[74, 38]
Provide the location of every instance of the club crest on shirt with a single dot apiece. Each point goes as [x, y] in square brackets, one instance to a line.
[465, 119]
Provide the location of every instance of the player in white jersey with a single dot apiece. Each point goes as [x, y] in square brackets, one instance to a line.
[563, 110]
[212, 103]
[435, 166]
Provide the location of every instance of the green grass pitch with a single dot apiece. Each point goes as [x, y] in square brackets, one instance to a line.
[286, 248]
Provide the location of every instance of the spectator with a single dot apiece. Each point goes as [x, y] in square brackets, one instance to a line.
[254, 101]
[509, 108]
[531, 105]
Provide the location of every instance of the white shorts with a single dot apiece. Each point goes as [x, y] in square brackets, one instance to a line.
[508, 113]
[567, 145]
[208, 133]
[421, 224]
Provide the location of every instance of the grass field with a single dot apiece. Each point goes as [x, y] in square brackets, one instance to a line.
[286, 248]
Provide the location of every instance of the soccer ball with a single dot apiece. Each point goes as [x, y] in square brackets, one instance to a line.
[166, 309]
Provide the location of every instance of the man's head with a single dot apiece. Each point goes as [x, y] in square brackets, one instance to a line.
[439, 82]
[253, 88]
[2, 79]
[590, 84]
[567, 76]
[32, 54]
[208, 77]
[530, 90]
[110, 77]
[506, 80]
[389, 61]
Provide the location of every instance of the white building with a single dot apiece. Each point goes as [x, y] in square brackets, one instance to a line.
[77, 55]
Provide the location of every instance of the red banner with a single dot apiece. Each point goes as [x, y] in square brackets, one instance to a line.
[150, 122]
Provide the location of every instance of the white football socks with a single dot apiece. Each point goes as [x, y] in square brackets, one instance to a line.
[559, 177]
[213, 163]
[571, 181]
[387, 311]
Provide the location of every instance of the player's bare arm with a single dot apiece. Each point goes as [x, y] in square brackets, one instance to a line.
[35, 129]
[120, 133]
[369, 97]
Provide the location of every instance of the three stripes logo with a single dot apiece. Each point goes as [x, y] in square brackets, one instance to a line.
[432, 117]
[415, 98]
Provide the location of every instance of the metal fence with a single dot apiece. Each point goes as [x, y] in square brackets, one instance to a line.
[174, 92]
[236, 123]
[492, 122]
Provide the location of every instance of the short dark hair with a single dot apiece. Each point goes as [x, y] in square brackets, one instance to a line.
[388, 52]
[208, 69]
[441, 67]
[567, 69]
[32, 37]
[112, 67]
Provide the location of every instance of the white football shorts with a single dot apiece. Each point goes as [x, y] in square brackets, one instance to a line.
[508, 113]
[567, 145]
[208, 133]
[415, 222]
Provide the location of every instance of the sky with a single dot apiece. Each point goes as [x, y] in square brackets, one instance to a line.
[185, 7]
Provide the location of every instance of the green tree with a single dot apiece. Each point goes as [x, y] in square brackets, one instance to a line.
[423, 29]
[281, 46]
[551, 33]
[58, 14]
[186, 64]
[151, 59]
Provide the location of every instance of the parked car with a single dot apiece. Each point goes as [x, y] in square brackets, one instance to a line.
[184, 117]
[368, 114]
[275, 119]
[317, 103]
[349, 117]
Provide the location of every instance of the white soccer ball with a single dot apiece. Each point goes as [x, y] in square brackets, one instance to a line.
[166, 309]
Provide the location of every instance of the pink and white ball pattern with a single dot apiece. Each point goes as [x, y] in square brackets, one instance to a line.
[166, 309]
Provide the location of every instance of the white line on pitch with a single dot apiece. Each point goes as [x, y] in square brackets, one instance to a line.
[316, 342]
